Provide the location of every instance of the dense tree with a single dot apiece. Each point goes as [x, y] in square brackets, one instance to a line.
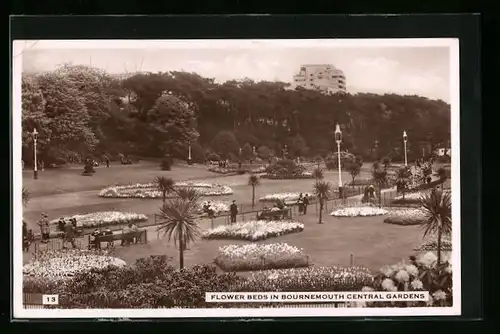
[224, 143]
[137, 114]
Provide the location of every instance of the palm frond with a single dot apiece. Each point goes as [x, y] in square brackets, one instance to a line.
[178, 217]
[437, 208]
[165, 184]
[322, 189]
[253, 180]
[318, 174]
[189, 194]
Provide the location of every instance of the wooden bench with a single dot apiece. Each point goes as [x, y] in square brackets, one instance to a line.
[127, 238]
[274, 215]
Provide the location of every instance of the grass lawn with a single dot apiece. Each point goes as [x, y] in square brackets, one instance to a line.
[81, 200]
[372, 243]
[69, 179]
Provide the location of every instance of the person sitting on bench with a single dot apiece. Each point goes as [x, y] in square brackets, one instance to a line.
[126, 235]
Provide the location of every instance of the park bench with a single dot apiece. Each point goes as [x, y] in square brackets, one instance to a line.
[139, 237]
[275, 215]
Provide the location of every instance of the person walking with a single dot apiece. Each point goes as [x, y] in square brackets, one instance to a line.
[305, 203]
[300, 203]
[69, 235]
[234, 211]
[106, 161]
[44, 227]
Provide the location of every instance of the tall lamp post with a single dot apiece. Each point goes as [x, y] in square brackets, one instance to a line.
[405, 139]
[338, 139]
[190, 160]
[35, 167]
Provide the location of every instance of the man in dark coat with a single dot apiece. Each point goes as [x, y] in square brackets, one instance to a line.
[234, 211]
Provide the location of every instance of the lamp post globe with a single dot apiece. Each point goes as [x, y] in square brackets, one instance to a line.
[338, 140]
[405, 139]
[35, 162]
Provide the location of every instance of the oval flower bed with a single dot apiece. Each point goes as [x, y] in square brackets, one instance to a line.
[254, 230]
[304, 175]
[405, 216]
[260, 257]
[308, 279]
[150, 190]
[430, 244]
[286, 197]
[65, 263]
[104, 218]
[217, 206]
[359, 211]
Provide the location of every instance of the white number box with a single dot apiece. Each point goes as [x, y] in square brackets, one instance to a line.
[50, 299]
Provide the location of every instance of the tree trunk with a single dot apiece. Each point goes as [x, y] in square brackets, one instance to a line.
[320, 211]
[440, 232]
[253, 197]
[164, 197]
[181, 252]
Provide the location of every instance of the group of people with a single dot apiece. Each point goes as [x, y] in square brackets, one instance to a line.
[302, 203]
[210, 211]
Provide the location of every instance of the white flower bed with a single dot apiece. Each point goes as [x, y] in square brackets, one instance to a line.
[66, 263]
[260, 257]
[150, 190]
[405, 216]
[216, 206]
[360, 211]
[286, 197]
[254, 230]
[103, 218]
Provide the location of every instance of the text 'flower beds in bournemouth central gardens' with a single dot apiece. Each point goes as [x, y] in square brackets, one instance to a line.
[254, 230]
[64, 263]
[260, 257]
[308, 279]
[103, 218]
[150, 190]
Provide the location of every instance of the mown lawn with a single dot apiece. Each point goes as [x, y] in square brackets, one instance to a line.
[372, 243]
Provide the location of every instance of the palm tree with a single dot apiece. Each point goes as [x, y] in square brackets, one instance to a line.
[165, 185]
[386, 162]
[177, 220]
[437, 208]
[318, 174]
[253, 180]
[25, 196]
[322, 190]
[379, 177]
[188, 194]
[402, 179]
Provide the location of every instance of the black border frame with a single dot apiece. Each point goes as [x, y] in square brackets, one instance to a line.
[465, 27]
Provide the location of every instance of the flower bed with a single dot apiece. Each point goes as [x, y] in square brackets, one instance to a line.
[405, 216]
[305, 175]
[359, 211]
[222, 170]
[286, 197]
[66, 262]
[254, 230]
[150, 190]
[260, 257]
[104, 218]
[308, 279]
[431, 245]
[413, 197]
[217, 206]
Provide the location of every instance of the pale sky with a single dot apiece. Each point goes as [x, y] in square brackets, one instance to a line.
[420, 70]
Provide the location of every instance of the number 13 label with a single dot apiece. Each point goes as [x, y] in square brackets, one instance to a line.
[50, 299]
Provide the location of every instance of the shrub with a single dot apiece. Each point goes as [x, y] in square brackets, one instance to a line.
[213, 157]
[166, 164]
[260, 257]
[330, 164]
[308, 279]
[406, 216]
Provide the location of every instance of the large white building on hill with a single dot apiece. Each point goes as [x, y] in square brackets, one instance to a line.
[322, 77]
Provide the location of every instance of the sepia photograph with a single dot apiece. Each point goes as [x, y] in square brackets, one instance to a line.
[236, 178]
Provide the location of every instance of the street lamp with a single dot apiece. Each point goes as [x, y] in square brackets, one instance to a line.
[405, 139]
[190, 161]
[35, 168]
[338, 139]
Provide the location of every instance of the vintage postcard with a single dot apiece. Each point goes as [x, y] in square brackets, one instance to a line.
[236, 178]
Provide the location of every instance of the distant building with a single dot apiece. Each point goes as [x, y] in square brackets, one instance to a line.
[322, 77]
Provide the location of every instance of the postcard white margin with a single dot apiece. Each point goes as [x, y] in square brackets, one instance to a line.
[19, 312]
